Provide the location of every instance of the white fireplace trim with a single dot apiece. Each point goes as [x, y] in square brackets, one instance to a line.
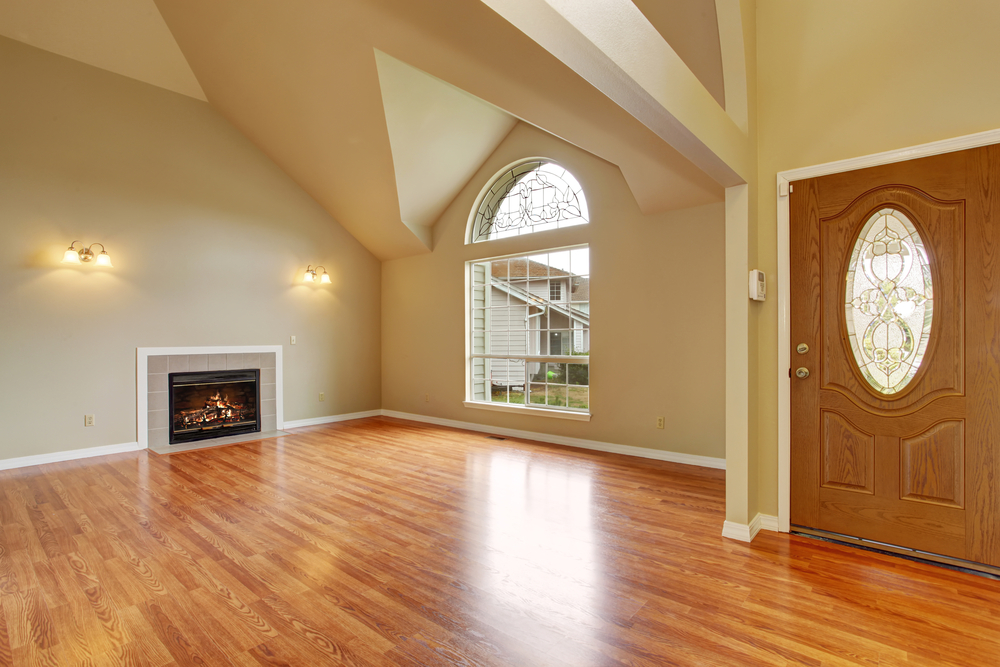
[142, 373]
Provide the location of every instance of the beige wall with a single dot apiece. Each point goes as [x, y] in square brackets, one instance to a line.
[658, 341]
[850, 78]
[208, 237]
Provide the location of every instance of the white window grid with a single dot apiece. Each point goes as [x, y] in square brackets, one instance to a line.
[511, 318]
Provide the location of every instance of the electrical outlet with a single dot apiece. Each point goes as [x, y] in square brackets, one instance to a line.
[292, 340]
[88, 420]
[427, 398]
[659, 422]
[322, 396]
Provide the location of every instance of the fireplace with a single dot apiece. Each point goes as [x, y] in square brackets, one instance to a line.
[213, 404]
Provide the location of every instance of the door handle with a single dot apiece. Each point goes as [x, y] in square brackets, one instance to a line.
[802, 373]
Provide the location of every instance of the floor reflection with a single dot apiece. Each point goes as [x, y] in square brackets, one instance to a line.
[540, 555]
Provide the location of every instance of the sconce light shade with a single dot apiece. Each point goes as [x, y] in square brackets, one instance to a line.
[71, 256]
[325, 278]
[104, 259]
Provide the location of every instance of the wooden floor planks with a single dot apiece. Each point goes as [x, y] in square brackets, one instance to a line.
[384, 542]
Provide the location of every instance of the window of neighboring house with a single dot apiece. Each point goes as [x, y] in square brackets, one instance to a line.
[555, 290]
[529, 197]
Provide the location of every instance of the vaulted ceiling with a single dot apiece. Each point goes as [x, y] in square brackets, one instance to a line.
[382, 110]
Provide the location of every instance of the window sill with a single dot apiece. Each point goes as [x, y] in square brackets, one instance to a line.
[524, 410]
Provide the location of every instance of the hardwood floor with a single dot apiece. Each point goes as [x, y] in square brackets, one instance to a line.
[383, 542]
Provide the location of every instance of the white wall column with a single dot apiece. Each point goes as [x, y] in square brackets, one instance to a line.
[738, 502]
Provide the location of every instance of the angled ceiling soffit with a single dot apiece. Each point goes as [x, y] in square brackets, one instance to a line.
[440, 136]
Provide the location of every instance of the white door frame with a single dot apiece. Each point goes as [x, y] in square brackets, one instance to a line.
[784, 265]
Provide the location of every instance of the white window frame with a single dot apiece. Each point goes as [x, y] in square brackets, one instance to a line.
[576, 414]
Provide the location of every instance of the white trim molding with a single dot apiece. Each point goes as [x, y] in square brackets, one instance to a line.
[68, 455]
[746, 533]
[784, 266]
[525, 410]
[142, 372]
[769, 522]
[765, 522]
[330, 419]
[628, 450]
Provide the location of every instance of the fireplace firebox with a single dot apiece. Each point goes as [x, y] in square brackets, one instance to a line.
[213, 404]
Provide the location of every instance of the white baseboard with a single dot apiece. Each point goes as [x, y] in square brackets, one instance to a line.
[71, 455]
[628, 450]
[316, 421]
[641, 452]
[769, 522]
[746, 532]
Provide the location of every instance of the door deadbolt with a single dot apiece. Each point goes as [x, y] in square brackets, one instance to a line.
[802, 373]
[801, 348]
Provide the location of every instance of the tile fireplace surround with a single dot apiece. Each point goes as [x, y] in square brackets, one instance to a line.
[154, 363]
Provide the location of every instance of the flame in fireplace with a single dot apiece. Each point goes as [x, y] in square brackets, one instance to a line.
[217, 411]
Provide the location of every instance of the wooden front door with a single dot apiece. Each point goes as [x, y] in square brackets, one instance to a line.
[895, 334]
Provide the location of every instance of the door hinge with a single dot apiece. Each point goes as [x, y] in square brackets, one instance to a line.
[789, 373]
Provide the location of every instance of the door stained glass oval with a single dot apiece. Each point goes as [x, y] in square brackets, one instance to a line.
[889, 301]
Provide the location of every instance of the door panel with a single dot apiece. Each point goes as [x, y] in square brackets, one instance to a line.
[932, 466]
[918, 468]
[848, 455]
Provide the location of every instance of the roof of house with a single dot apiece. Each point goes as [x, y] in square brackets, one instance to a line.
[517, 268]
[513, 269]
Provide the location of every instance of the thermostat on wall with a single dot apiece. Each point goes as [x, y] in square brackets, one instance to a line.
[758, 285]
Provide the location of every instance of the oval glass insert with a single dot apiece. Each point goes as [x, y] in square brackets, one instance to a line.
[889, 301]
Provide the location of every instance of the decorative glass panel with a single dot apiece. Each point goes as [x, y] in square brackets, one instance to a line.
[530, 197]
[889, 301]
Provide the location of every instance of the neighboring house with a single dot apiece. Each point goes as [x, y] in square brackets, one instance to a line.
[535, 309]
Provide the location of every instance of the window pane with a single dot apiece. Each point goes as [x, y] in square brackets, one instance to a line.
[555, 373]
[560, 261]
[579, 259]
[889, 301]
[579, 374]
[532, 196]
[560, 342]
[507, 381]
[557, 396]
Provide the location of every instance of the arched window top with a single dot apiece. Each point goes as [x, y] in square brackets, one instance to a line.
[528, 197]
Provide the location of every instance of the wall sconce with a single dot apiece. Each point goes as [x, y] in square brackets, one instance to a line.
[84, 255]
[310, 276]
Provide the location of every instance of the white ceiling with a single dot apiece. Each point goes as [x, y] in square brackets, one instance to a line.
[382, 109]
[127, 37]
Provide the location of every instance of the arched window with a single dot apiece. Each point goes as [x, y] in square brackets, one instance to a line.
[529, 197]
[528, 328]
